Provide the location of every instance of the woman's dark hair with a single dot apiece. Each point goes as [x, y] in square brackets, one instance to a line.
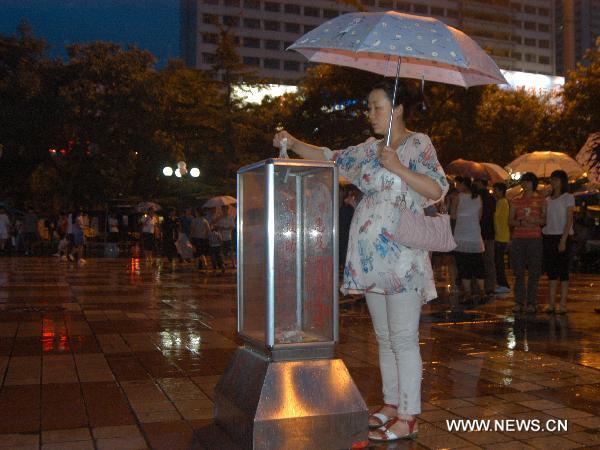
[468, 184]
[501, 187]
[406, 95]
[530, 176]
[564, 180]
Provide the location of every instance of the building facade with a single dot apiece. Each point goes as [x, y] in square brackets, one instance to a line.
[518, 34]
[577, 28]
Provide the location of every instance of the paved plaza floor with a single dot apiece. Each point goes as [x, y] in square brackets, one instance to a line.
[121, 354]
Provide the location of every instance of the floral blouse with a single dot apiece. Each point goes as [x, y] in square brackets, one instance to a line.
[375, 262]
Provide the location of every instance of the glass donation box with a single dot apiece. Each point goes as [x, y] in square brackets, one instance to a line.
[284, 388]
[287, 257]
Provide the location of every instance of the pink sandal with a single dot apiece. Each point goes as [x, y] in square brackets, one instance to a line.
[382, 418]
[384, 434]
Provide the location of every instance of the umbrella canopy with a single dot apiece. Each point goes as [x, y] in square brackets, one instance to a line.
[220, 200]
[376, 42]
[497, 173]
[469, 169]
[589, 157]
[543, 163]
[147, 206]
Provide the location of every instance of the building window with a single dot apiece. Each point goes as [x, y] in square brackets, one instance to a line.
[290, 27]
[252, 23]
[530, 26]
[210, 38]
[286, 44]
[272, 25]
[453, 13]
[290, 8]
[529, 9]
[437, 11]
[210, 19]
[271, 63]
[517, 39]
[251, 42]
[517, 56]
[272, 7]
[311, 12]
[421, 9]
[544, 12]
[543, 27]
[291, 66]
[330, 13]
[530, 58]
[516, 7]
[368, 2]
[530, 42]
[232, 3]
[251, 61]
[252, 4]
[308, 28]
[544, 43]
[208, 58]
[516, 23]
[544, 60]
[403, 6]
[210, 2]
[386, 4]
[231, 21]
[270, 44]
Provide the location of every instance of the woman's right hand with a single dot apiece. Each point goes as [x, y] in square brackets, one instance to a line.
[280, 136]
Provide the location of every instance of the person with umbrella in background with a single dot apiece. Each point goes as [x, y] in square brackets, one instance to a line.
[395, 279]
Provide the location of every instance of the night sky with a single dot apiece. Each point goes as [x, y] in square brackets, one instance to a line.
[149, 24]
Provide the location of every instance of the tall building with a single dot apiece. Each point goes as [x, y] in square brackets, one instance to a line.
[518, 34]
[577, 27]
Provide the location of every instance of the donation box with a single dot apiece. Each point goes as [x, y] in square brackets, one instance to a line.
[284, 389]
[287, 257]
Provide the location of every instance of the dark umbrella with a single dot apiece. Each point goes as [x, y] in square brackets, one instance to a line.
[589, 157]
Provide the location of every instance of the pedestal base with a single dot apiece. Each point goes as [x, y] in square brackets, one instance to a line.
[289, 404]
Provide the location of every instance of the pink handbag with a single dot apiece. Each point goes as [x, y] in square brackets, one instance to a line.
[431, 233]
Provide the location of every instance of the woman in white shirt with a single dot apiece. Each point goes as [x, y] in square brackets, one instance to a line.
[467, 209]
[559, 227]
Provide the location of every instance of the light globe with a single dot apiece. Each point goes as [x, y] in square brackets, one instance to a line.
[167, 171]
[195, 172]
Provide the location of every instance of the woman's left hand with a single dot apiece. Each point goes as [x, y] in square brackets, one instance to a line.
[389, 159]
[562, 246]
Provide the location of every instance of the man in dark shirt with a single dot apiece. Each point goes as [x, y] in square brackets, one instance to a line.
[487, 234]
[351, 197]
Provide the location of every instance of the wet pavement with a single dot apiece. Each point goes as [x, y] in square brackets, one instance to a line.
[121, 354]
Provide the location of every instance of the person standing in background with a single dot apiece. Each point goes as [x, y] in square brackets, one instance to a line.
[487, 234]
[4, 229]
[501, 236]
[527, 216]
[199, 237]
[351, 197]
[30, 228]
[225, 224]
[556, 236]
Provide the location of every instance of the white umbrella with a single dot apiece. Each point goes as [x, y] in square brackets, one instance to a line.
[147, 206]
[220, 200]
[543, 163]
[496, 172]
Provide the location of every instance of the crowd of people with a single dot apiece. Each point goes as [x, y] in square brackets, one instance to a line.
[201, 236]
[535, 230]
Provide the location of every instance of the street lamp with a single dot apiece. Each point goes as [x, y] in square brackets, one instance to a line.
[181, 170]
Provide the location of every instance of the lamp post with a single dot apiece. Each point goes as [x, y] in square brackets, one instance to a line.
[181, 170]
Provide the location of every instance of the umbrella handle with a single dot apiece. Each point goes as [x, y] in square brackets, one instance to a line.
[389, 133]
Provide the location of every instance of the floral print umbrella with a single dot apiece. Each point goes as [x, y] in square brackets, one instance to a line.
[392, 43]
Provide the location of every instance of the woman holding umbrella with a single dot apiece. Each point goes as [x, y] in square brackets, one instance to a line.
[395, 279]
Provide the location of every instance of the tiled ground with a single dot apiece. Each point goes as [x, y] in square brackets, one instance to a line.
[119, 354]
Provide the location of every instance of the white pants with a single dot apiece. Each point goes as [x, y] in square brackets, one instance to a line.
[396, 323]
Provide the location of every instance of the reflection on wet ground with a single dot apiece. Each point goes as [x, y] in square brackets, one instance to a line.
[123, 354]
